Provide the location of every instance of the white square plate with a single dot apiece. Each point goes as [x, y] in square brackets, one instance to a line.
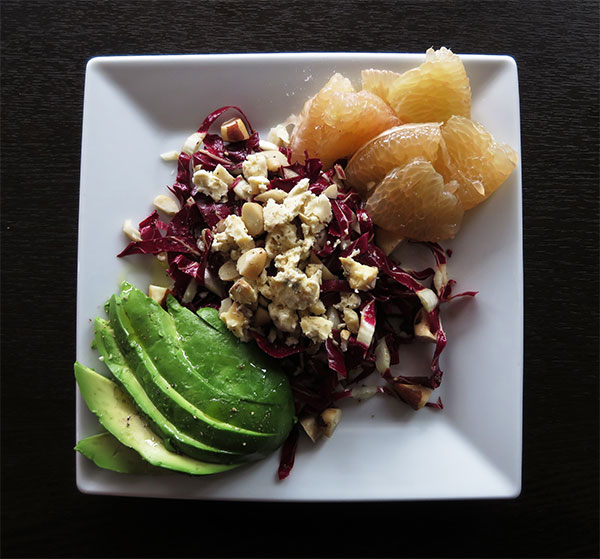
[139, 107]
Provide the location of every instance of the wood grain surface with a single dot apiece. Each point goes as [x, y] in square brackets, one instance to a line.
[45, 46]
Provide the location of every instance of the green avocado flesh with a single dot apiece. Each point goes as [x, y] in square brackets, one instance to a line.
[106, 451]
[118, 415]
[201, 391]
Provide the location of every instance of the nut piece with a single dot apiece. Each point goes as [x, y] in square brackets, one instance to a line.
[234, 130]
[275, 160]
[414, 395]
[330, 418]
[131, 230]
[422, 330]
[242, 292]
[331, 191]
[228, 271]
[252, 263]
[274, 194]
[193, 143]
[170, 155]
[252, 216]
[166, 204]
[157, 293]
[311, 427]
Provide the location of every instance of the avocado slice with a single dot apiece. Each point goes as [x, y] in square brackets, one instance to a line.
[118, 414]
[206, 370]
[185, 416]
[113, 358]
[236, 367]
[107, 452]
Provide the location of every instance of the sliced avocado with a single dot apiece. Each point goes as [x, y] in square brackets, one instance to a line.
[115, 361]
[238, 368]
[199, 381]
[211, 317]
[107, 452]
[188, 418]
[118, 414]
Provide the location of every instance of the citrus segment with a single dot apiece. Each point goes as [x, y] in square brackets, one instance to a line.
[393, 148]
[337, 121]
[378, 81]
[433, 92]
[470, 155]
[414, 202]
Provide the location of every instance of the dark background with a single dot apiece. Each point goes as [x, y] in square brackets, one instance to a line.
[45, 46]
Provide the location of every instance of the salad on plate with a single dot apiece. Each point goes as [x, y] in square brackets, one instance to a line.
[284, 293]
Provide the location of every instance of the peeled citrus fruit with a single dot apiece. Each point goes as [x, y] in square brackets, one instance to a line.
[470, 155]
[338, 120]
[433, 92]
[393, 148]
[414, 201]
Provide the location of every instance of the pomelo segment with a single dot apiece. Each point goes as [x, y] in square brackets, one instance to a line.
[414, 202]
[470, 155]
[393, 148]
[337, 121]
[433, 92]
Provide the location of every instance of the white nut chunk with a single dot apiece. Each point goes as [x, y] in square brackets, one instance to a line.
[330, 418]
[234, 130]
[252, 263]
[275, 159]
[279, 136]
[193, 142]
[172, 155]
[243, 293]
[221, 173]
[422, 330]
[228, 271]
[359, 276]
[275, 194]
[166, 204]
[157, 293]
[252, 216]
[131, 230]
[311, 427]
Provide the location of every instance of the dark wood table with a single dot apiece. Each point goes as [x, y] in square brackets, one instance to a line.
[45, 46]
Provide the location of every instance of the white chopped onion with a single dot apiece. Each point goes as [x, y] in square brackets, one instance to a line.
[428, 299]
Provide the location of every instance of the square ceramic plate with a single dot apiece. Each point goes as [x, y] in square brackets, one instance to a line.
[139, 107]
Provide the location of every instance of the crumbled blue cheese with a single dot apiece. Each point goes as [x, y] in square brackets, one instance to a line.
[209, 183]
[316, 328]
[255, 165]
[284, 318]
[315, 214]
[359, 276]
[234, 234]
[293, 288]
[233, 317]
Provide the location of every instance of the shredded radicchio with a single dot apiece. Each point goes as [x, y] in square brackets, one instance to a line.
[319, 376]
